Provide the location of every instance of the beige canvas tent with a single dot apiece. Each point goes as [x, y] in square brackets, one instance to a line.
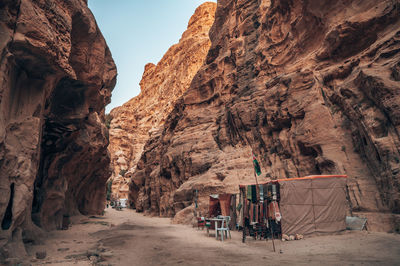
[314, 204]
[307, 205]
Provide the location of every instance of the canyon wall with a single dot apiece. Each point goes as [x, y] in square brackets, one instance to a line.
[311, 87]
[161, 86]
[56, 76]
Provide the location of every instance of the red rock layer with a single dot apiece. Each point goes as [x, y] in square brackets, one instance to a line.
[312, 87]
[56, 76]
[161, 86]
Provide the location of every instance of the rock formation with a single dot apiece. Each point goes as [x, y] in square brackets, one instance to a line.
[312, 87]
[161, 86]
[120, 187]
[56, 76]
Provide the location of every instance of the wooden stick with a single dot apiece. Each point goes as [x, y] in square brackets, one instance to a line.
[255, 176]
[272, 234]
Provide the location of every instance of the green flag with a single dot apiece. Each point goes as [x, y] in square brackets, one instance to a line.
[257, 167]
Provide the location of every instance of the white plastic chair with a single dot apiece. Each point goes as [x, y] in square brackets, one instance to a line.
[224, 227]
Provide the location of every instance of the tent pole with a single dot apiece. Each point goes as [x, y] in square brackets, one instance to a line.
[255, 176]
[272, 235]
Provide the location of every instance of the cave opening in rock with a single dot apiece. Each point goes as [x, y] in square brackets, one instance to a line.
[68, 98]
[7, 219]
[63, 116]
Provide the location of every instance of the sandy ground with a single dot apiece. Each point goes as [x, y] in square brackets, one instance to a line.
[128, 238]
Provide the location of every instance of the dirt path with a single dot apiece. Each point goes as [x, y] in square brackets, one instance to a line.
[128, 238]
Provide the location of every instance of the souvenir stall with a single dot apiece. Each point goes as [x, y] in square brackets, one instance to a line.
[259, 214]
[306, 205]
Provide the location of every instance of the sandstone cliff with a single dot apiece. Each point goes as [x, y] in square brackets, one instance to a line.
[161, 86]
[56, 76]
[312, 87]
[119, 188]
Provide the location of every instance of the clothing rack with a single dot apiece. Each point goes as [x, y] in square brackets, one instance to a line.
[259, 211]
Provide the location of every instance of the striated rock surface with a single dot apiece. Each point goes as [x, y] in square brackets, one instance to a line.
[312, 87]
[56, 76]
[120, 187]
[161, 86]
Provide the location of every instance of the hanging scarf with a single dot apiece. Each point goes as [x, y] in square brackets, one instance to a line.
[261, 193]
[253, 194]
[249, 195]
[273, 211]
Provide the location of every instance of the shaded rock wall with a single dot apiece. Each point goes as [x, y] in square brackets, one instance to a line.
[312, 87]
[56, 76]
[161, 86]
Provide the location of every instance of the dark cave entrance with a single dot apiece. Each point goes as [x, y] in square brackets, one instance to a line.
[63, 116]
[7, 219]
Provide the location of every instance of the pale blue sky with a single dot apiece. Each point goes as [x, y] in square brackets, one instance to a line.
[139, 32]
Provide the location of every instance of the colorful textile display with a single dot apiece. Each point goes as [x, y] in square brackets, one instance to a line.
[304, 205]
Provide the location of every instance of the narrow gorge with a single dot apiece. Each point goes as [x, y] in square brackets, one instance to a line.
[311, 87]
[161, 86]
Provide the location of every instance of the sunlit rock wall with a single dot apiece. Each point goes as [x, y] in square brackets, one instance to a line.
[312, 87]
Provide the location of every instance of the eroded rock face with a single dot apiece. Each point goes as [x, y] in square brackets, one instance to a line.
[56, 76]
[161, 86]
[312, 87]
[120, 188]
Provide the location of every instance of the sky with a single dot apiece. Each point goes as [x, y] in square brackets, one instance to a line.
[139, 32]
